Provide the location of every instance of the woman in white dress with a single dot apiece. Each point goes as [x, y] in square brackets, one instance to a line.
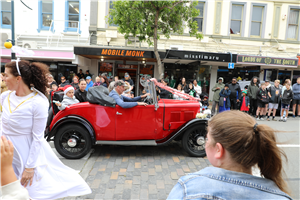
[24, 117]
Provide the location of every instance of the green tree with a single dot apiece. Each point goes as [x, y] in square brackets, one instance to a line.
[147, 19]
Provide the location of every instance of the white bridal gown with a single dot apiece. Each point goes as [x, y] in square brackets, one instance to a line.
[23, 122]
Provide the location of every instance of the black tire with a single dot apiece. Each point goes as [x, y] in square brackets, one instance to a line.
[189, 141]
[80, 134]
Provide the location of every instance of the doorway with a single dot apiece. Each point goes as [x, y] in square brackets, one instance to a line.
[131, 70]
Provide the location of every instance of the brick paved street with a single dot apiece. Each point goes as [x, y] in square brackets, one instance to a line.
[133, 172]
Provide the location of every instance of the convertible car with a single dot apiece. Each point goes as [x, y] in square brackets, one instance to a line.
[101, 122]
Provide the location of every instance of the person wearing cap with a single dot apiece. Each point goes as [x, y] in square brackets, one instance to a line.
[89, 83]
[245, 102]
[69, 98]
[216, 89]
[224, 102]
[128, 79]
[80, 74]
[123, 101]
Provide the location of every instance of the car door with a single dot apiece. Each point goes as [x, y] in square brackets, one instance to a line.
[137, 123]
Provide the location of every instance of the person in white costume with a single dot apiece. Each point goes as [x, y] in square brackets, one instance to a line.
[24, 117]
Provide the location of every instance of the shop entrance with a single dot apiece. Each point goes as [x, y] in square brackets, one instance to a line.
[132, 70]
[283, 75]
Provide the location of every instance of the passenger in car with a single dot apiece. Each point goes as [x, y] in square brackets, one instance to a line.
[123, 101]
[69, 98]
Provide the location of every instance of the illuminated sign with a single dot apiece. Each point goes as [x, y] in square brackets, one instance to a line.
[260, 60]
[127, 53]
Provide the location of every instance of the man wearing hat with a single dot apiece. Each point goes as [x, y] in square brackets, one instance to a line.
[216, 89]
[89, 83]
[128, 79]
[123, 101]
[80, 74]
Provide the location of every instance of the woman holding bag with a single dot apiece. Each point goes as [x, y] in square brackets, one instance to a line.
[24, 117]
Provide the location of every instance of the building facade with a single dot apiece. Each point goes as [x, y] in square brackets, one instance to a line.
[261, 30]
[48, 27]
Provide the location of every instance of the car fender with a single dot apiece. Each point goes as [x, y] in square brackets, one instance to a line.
[72, 119]
[181, 130]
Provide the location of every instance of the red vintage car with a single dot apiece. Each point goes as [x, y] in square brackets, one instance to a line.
[80, 126]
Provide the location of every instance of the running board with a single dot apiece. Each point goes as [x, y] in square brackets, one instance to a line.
[129, 142]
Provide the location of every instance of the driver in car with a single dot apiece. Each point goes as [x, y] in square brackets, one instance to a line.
[123, 101]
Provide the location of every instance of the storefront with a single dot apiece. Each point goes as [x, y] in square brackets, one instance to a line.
[118, 61]
[272, 68]
[191, 65]
[59, 62]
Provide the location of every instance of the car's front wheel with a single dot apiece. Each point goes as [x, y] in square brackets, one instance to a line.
[73, 141]
[193, 141]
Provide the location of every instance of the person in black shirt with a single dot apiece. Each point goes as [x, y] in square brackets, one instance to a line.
[80, 94]
[80, 74]
[235, 94]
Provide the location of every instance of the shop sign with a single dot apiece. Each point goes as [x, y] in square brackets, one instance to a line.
[192, 55]
[284, 62]
[122, 53]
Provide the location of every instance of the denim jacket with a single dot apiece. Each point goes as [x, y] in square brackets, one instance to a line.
[220, 184]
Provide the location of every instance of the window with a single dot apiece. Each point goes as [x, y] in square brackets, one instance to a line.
[257, 19]
[45, 14]
[236, 19]
[111, 7]
[5, 17]
[293, 24]
[199, 18]
[72, 16]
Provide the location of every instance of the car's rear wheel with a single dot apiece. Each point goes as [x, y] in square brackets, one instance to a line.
[193, 141]
[73, 141]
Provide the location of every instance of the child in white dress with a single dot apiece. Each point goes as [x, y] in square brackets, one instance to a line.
[69, 98]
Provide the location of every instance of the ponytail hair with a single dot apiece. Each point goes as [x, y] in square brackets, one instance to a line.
[33, 74]
[249, 144]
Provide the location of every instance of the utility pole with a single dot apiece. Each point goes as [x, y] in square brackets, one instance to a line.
[13, 54]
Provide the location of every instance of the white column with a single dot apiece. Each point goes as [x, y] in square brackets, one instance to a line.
[213, 80]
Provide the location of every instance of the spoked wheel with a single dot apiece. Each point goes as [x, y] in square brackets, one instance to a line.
[73, 141]
[193, 141]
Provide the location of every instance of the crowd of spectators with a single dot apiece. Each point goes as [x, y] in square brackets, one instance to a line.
[257, 99]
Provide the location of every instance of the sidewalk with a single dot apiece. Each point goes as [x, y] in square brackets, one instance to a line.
[139, 172]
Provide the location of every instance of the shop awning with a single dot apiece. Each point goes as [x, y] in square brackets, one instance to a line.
[114, 53]
[267, 61]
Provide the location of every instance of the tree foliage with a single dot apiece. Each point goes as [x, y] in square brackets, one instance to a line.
[145, 19]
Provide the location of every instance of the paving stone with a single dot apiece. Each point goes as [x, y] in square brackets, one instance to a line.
[180, 172]
[119, 189]
[144, 162]
[93, 171]
[174, 175]
[158, 168]
[152, 172]
[126, 194]
[150, 159]
[125, 159]
[114, 175]
[164, 165]
[191, 165]
[105, 178]
[109, 193]
[118, 161]
[153, 197]
[186, 168]
[161, 194]
[144, 176]
[122, 172]
[160, 184]
[136, 180]
[117, 196]
[130, 167]
[99, 196]
[144, 194]
[152, 189]
[102, 168]
[96, 183]
[107, 156]
[110, 164]
[137, 165]
[196, 162]
[128, 184]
